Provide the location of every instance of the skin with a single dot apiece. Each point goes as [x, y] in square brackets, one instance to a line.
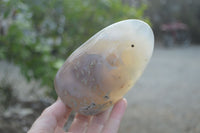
[54, 118]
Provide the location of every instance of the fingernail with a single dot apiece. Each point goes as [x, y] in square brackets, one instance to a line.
[125, 101]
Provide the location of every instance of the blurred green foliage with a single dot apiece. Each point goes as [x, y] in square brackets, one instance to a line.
[39, 35]
[6, 95]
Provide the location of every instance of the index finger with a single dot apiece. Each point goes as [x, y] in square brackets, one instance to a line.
[116, 115]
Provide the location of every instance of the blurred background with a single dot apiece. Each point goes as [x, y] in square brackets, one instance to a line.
[37, 36]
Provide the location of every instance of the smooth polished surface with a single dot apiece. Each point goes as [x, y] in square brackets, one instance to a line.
[105, 67]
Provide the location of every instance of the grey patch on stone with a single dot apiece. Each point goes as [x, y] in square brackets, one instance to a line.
[93, 104]
[82, 72]
[75, 67]
[74, 103]
[84, 81]
[89, 110]
[77, 75]
[93, 79]
[88, 72]
[65, 92]
[92, 64]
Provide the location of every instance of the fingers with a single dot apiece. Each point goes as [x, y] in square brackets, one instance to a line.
[53, 116]
[101, 123]
[59, 111]
[59, 130]
[113, 122]
[98, 121]
[80, 123]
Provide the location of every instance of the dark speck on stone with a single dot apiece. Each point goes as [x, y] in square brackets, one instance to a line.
[106, 97]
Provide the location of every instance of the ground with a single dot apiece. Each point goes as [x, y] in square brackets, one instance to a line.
[166, 99]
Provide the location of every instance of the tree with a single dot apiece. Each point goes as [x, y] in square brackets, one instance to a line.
[39, 35]
[166, 11]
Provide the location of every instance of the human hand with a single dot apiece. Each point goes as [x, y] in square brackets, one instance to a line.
[54, 117]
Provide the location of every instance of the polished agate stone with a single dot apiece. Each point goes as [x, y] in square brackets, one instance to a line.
[102, 70]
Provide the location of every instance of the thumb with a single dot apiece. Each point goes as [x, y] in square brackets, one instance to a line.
[51, 118]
